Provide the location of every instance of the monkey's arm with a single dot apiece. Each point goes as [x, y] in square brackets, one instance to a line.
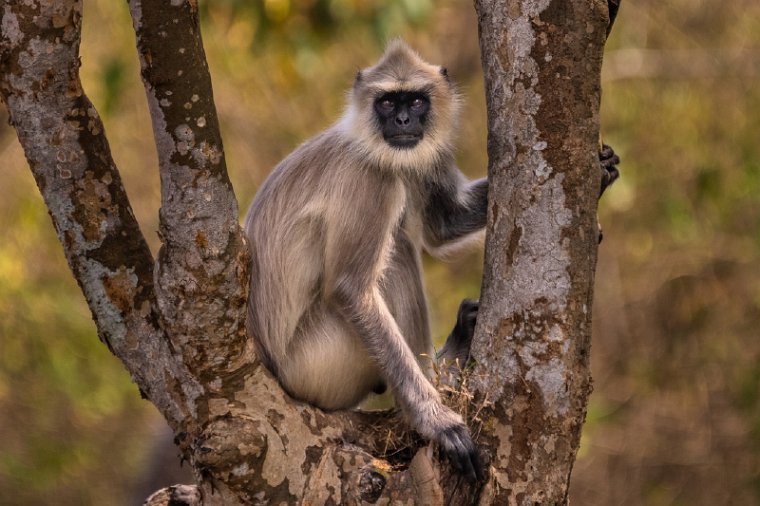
[353, 266]
[420, 401]
[454, 209]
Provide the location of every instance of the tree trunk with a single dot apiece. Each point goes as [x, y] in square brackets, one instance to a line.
[542, 62]
[177, 323]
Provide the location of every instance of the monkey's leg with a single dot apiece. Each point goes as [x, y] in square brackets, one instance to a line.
[327, 365]
[457, 346]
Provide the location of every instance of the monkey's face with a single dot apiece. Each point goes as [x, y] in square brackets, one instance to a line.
[402, 112]
[402, 116]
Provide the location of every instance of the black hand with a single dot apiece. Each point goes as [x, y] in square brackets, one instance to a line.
[461, 452]
[608, 161]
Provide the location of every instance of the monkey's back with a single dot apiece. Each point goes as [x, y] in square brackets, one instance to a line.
[283, 226]
[288, 225]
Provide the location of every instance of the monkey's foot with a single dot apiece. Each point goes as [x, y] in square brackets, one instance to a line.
[457, 346]
[466, 318]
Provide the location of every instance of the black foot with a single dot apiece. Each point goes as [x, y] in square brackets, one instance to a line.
[457, 345]
[467, 316]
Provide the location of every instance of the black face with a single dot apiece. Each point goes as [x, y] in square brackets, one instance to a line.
[402, 117]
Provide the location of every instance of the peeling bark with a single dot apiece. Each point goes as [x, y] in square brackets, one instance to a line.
[179, 327]
[542, 63]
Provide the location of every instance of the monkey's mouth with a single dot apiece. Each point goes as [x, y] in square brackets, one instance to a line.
[403, 141]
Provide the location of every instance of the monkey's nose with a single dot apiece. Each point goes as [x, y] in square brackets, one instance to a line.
[402, 119]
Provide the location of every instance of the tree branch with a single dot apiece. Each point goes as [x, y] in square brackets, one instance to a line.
[66, 147]
[202, 271]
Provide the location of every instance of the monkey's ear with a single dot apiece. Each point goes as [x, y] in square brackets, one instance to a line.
[358, 77]
[445, 73]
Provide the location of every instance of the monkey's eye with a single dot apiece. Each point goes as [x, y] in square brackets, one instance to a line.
[386, 105]
[418, 104]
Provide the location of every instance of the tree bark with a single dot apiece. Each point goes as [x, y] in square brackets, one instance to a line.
[542, 63]
[177, 323]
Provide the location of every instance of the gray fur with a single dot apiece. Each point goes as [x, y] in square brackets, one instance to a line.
[337, 305]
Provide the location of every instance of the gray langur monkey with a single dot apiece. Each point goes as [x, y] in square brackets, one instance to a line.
[337, 308]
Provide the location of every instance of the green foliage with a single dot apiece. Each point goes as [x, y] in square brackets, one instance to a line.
[113, 84]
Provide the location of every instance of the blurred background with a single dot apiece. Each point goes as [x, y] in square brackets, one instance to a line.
[675, 415]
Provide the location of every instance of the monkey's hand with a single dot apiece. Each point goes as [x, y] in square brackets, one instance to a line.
[455, 441]
[436, 422]
[608, 162]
